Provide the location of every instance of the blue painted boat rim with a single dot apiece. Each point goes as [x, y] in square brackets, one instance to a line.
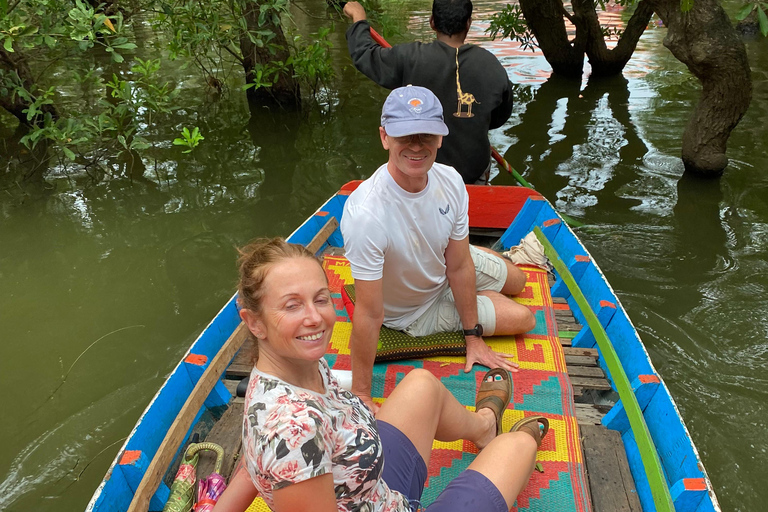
[191, 350]
[619, 305]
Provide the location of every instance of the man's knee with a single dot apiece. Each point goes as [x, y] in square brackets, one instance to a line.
[516, 279]
[511, 317]
[528, 322]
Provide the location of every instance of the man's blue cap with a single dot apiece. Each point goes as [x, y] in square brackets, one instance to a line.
[412, 109]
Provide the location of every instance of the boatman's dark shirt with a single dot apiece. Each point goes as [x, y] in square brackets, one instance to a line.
[484, 85]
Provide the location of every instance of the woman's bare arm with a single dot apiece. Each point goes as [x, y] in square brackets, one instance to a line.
[238, 495]
[315, 494]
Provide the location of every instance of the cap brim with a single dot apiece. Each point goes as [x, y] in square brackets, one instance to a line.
[411, 127]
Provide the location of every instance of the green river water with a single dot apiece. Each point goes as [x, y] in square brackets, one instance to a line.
[140, 266]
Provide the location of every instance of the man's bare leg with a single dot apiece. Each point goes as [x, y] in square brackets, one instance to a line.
[515, 277]
[511, 317]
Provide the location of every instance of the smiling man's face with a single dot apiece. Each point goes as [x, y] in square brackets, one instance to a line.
[410, 158]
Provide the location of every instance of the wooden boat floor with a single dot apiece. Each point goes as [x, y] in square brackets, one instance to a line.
[611, 486]
[610, 482]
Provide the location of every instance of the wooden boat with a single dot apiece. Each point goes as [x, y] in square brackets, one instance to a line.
[637, 451]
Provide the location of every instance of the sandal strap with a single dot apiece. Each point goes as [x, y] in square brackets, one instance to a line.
[493, 402]
[530, 425]
[494, 395]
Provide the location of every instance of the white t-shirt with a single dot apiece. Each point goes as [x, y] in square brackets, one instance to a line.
[400, 237]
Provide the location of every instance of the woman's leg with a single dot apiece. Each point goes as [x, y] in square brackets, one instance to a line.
[508, 462]
[424, 410]
[494, 479]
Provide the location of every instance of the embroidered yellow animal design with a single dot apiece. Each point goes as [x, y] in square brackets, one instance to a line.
[465, 98]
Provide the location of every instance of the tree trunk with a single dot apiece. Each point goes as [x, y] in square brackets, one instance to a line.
[704, 40]
[605, 62]
[16, 64]
[285, 90]
[546, 20]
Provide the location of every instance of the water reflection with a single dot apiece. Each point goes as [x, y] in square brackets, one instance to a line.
[698, 210]
[582, 134]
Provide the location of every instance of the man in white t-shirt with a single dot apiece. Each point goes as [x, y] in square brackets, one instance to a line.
[406, 235]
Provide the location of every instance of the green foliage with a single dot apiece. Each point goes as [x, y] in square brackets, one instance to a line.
[510, 23]
[389, 16]
[189, 140]
[209, 32]
[264, 75]
[611, 32]
[105, 111]
[312, 61]
[686, 5]
[759, 8]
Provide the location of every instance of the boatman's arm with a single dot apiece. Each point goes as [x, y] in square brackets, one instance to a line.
[460, 270]
[368, 317]
[356, 11]
[382, 65]
[501, 113]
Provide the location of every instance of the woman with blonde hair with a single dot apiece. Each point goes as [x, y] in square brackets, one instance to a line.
[308, 444]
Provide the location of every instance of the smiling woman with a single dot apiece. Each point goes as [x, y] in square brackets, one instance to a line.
[287, 307]
[310, 444]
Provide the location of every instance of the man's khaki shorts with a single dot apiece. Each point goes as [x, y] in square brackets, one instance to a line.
[442, 316]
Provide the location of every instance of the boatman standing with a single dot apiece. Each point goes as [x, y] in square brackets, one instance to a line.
[470, 82]
[406, 234]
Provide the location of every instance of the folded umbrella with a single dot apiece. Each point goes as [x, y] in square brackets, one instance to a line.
[183, 486]
[211, 487]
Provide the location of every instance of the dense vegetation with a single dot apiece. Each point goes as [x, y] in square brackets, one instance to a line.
[114, 97]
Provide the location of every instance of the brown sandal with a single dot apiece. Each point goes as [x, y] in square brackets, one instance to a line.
[536, 426]
[495, 395]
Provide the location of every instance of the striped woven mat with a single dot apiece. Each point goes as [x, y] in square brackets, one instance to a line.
[540, 387]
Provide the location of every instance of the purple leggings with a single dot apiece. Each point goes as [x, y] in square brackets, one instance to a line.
[406, 472]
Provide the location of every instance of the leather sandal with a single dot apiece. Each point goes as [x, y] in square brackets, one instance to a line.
[495, 395]
[536, 426]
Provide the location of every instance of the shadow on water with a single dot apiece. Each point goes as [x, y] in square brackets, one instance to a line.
[699, 233]
[275, 135]
[198, 259]
[573, 137]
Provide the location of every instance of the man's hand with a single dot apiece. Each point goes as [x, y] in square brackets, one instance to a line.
[355, 11]
[480, 353]
[368, 401]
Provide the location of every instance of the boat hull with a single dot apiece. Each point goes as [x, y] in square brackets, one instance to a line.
[515, 211]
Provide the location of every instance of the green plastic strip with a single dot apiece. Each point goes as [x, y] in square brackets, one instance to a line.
[653, 470]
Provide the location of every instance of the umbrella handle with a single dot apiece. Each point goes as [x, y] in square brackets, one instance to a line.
[197, 447]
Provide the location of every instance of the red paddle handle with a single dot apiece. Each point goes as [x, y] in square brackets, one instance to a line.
[379, 40]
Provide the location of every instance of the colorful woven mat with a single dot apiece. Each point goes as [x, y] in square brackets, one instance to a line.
[540, 387]
[396, 345]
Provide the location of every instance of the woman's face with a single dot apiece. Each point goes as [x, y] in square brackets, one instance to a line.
[297, 314]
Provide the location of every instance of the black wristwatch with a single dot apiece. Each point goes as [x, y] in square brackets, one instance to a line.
[476, 331]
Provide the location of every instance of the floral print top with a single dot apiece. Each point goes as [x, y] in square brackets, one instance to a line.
[292, 434]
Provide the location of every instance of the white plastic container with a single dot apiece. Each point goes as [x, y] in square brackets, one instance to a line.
[344, 378]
